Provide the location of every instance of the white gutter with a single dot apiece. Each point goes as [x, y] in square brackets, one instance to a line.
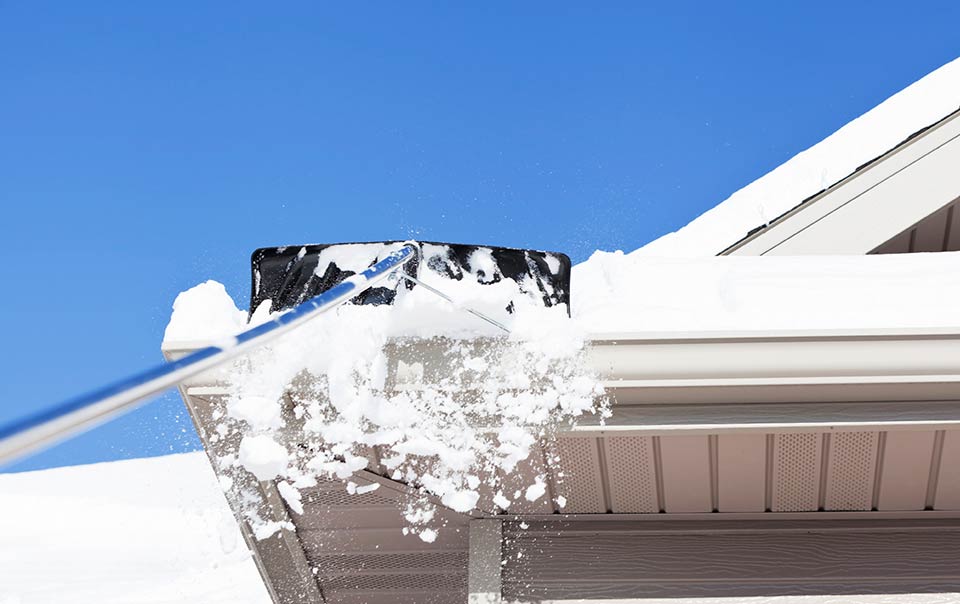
[801, 366]
[663, 367]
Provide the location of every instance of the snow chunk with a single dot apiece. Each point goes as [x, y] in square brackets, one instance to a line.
[500, 501]
[265, 530]
[259, 411]
[263, 457]
[204, 312]
[291, 495]
[461, 501]
[536, 490]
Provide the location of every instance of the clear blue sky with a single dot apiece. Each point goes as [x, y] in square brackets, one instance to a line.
[147, 147]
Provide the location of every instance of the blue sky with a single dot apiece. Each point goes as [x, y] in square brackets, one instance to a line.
[147, 147]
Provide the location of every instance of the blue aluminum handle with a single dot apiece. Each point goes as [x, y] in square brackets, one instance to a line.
[42, 429]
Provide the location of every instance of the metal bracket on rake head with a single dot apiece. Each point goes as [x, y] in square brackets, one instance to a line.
[290, 275]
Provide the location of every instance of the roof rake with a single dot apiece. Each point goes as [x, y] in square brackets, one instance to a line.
[290, 275]
[304, 282]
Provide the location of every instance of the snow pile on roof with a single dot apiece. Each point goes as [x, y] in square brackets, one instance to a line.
[616, 292]
[129, 532]
[879, 130]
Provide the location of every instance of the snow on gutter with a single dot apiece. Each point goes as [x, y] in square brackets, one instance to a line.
[620, 297]
[681, 367]
[871, 135]
[748, 381]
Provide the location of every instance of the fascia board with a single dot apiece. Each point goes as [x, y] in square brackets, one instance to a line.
[778, 358]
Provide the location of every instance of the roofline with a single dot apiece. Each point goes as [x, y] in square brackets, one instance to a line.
[765, 230]
[750, 366]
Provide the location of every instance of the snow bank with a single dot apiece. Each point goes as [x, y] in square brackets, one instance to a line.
[919, 105]
[142, 531]
[616, 292]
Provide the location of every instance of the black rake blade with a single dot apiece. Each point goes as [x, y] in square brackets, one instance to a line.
[290, 275]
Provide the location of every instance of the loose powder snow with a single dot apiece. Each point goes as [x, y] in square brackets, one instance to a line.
[450, 413]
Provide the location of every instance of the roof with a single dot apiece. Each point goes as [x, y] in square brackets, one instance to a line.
[853, 146]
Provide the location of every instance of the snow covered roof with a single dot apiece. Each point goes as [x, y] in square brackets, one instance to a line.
[858, 143]
[631, 293]
[617, 293]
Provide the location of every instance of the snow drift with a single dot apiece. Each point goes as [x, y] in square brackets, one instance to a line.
[144, 531]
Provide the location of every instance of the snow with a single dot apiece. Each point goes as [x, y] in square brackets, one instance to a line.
[263, 457]
[617, 293]
[291, 495]
[882, 128]
[428, 535]
[536, 490]
[368, 488]
[461, 500]
[144, 531]
[206, 312]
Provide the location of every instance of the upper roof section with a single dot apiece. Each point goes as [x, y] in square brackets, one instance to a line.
[910, 189]
[884, 131]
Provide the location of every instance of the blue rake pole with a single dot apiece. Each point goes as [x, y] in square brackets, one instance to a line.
[42, 429]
